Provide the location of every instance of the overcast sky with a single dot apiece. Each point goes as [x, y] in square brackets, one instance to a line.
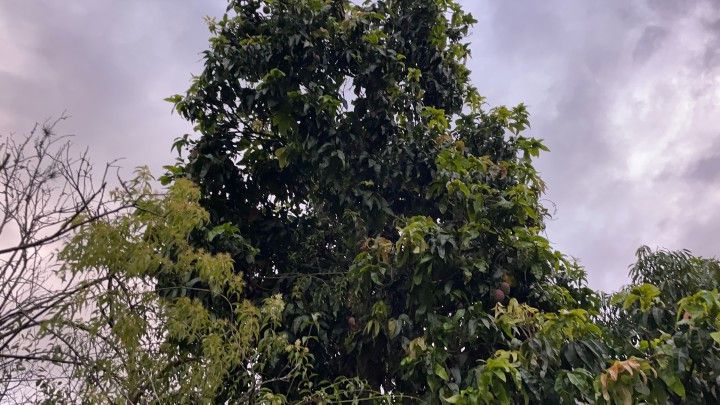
[625, 93]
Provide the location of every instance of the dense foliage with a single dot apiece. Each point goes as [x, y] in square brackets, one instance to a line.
[358, 174]
[350, 169]
[354, 224]
[134, 349]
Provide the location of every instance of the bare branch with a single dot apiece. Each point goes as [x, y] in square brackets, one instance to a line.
[47, 192]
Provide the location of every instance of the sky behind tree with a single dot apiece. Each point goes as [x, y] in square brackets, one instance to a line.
[626, 95]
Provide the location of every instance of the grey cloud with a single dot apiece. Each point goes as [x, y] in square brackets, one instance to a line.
[575, 64]
[711, 57]
[701, 237]
[109, 66]
[706, 171]
[672, 8]
[572, 62]
[649, 41]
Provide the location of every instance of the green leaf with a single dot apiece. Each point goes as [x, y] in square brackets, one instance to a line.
[674, 383]
[283, 121]
[441, 372]
[175, 98]
[223, 229]
[453, 399]
[281, 154]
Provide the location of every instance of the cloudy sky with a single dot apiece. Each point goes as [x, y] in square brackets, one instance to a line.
[625, 93]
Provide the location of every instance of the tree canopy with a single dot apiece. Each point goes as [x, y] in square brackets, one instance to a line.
[350, 166]
[359, 174]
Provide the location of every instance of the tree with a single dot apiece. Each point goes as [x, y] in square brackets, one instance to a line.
[131, 349]
[669, 315]
[48, 192]
[360, 176]
[81, 319]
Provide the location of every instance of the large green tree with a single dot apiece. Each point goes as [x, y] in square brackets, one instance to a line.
[353, 169]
